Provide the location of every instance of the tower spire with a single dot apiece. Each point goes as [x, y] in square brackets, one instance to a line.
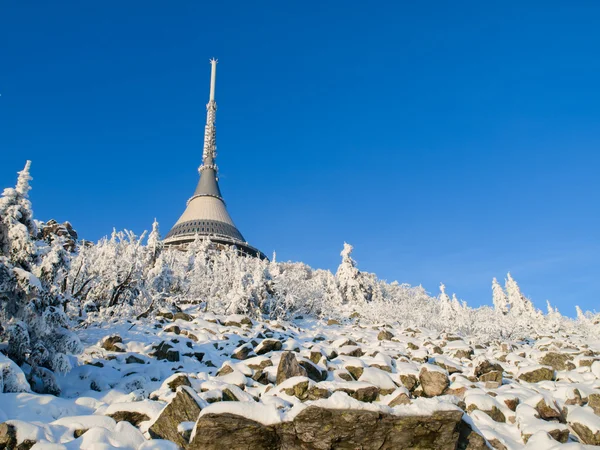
[209, 153]
[206, 213]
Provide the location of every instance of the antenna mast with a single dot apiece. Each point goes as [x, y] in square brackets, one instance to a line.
[209, 153]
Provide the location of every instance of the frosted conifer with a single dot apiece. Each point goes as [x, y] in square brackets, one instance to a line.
[154, 242]
[32, 291]
[349, 277]
[518, 303]
[445, 303]
[499, 298]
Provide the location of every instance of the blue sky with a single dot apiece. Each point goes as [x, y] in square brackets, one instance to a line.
[448, 142]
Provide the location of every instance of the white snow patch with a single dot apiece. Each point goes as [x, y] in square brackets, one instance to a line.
[265, 414]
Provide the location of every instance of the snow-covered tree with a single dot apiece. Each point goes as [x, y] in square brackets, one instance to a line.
[519, 304]
[154, 243]
[499, 297]
[446, 309]
[17, 226]
[32, 292]
[349, 278]
[581, 316]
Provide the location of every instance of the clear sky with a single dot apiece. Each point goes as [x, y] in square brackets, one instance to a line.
[447, 141]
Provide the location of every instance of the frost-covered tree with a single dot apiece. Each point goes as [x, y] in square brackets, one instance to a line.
[225, 282]
[349, 278]
[161, 277]
[499, 297]
[519, 304]
[32, 292]
[17, 226]
[446, 307]
[121, 271]
[457, 305]
[154, 243]
[553, 318]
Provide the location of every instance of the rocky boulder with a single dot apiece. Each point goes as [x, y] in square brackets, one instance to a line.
[268, 345]
[585, 423]
[486, 367]
[494, 412]
[133, 417]
[536, 374]
[299, 390]
[132, 359]
[365, 394]
[178, 380]
[8, 436]
[409, 381]
[470, 440]
[229, 431]
[546, 409]
[400, 397]
[385, 335]
[319, 428]
[52, 230]
[173, 329]
[313, 371]
[113, 343]
[185, 407]
[558, 361]
[594, 403]
[316, 393]
[165, 351]
[355, 371]
[434, 381]
[242, 352]
[289, 367]
[182, 316]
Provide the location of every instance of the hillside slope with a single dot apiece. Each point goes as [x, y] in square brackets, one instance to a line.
[236, 382]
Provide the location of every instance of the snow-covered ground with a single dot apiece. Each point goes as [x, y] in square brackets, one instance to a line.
[516, 394]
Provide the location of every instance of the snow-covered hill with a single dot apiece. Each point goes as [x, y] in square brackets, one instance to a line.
[108, 344]
[542, 392]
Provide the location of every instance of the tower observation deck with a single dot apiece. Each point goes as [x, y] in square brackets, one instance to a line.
[206, 214]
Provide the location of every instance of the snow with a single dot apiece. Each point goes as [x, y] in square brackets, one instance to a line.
[585, 416]
[185, 426]
[338, 400]
[482, 401]
[148, 407]
[543, 441]
[124, 436]
[377, 378]
[433, 368]
[158, 444]
[236, 377]
[530, 368]
[258, 412]
[86, 422]
[29, 278]
[52, 420]
[293, 381]
[39, 408]
[596, 369]
[12, 378]
[31, 431]
[529, 423]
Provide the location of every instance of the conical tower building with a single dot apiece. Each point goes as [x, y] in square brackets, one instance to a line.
[206, 213]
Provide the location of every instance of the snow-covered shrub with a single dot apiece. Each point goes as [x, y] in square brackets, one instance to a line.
[12, 378]
[227, 283]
